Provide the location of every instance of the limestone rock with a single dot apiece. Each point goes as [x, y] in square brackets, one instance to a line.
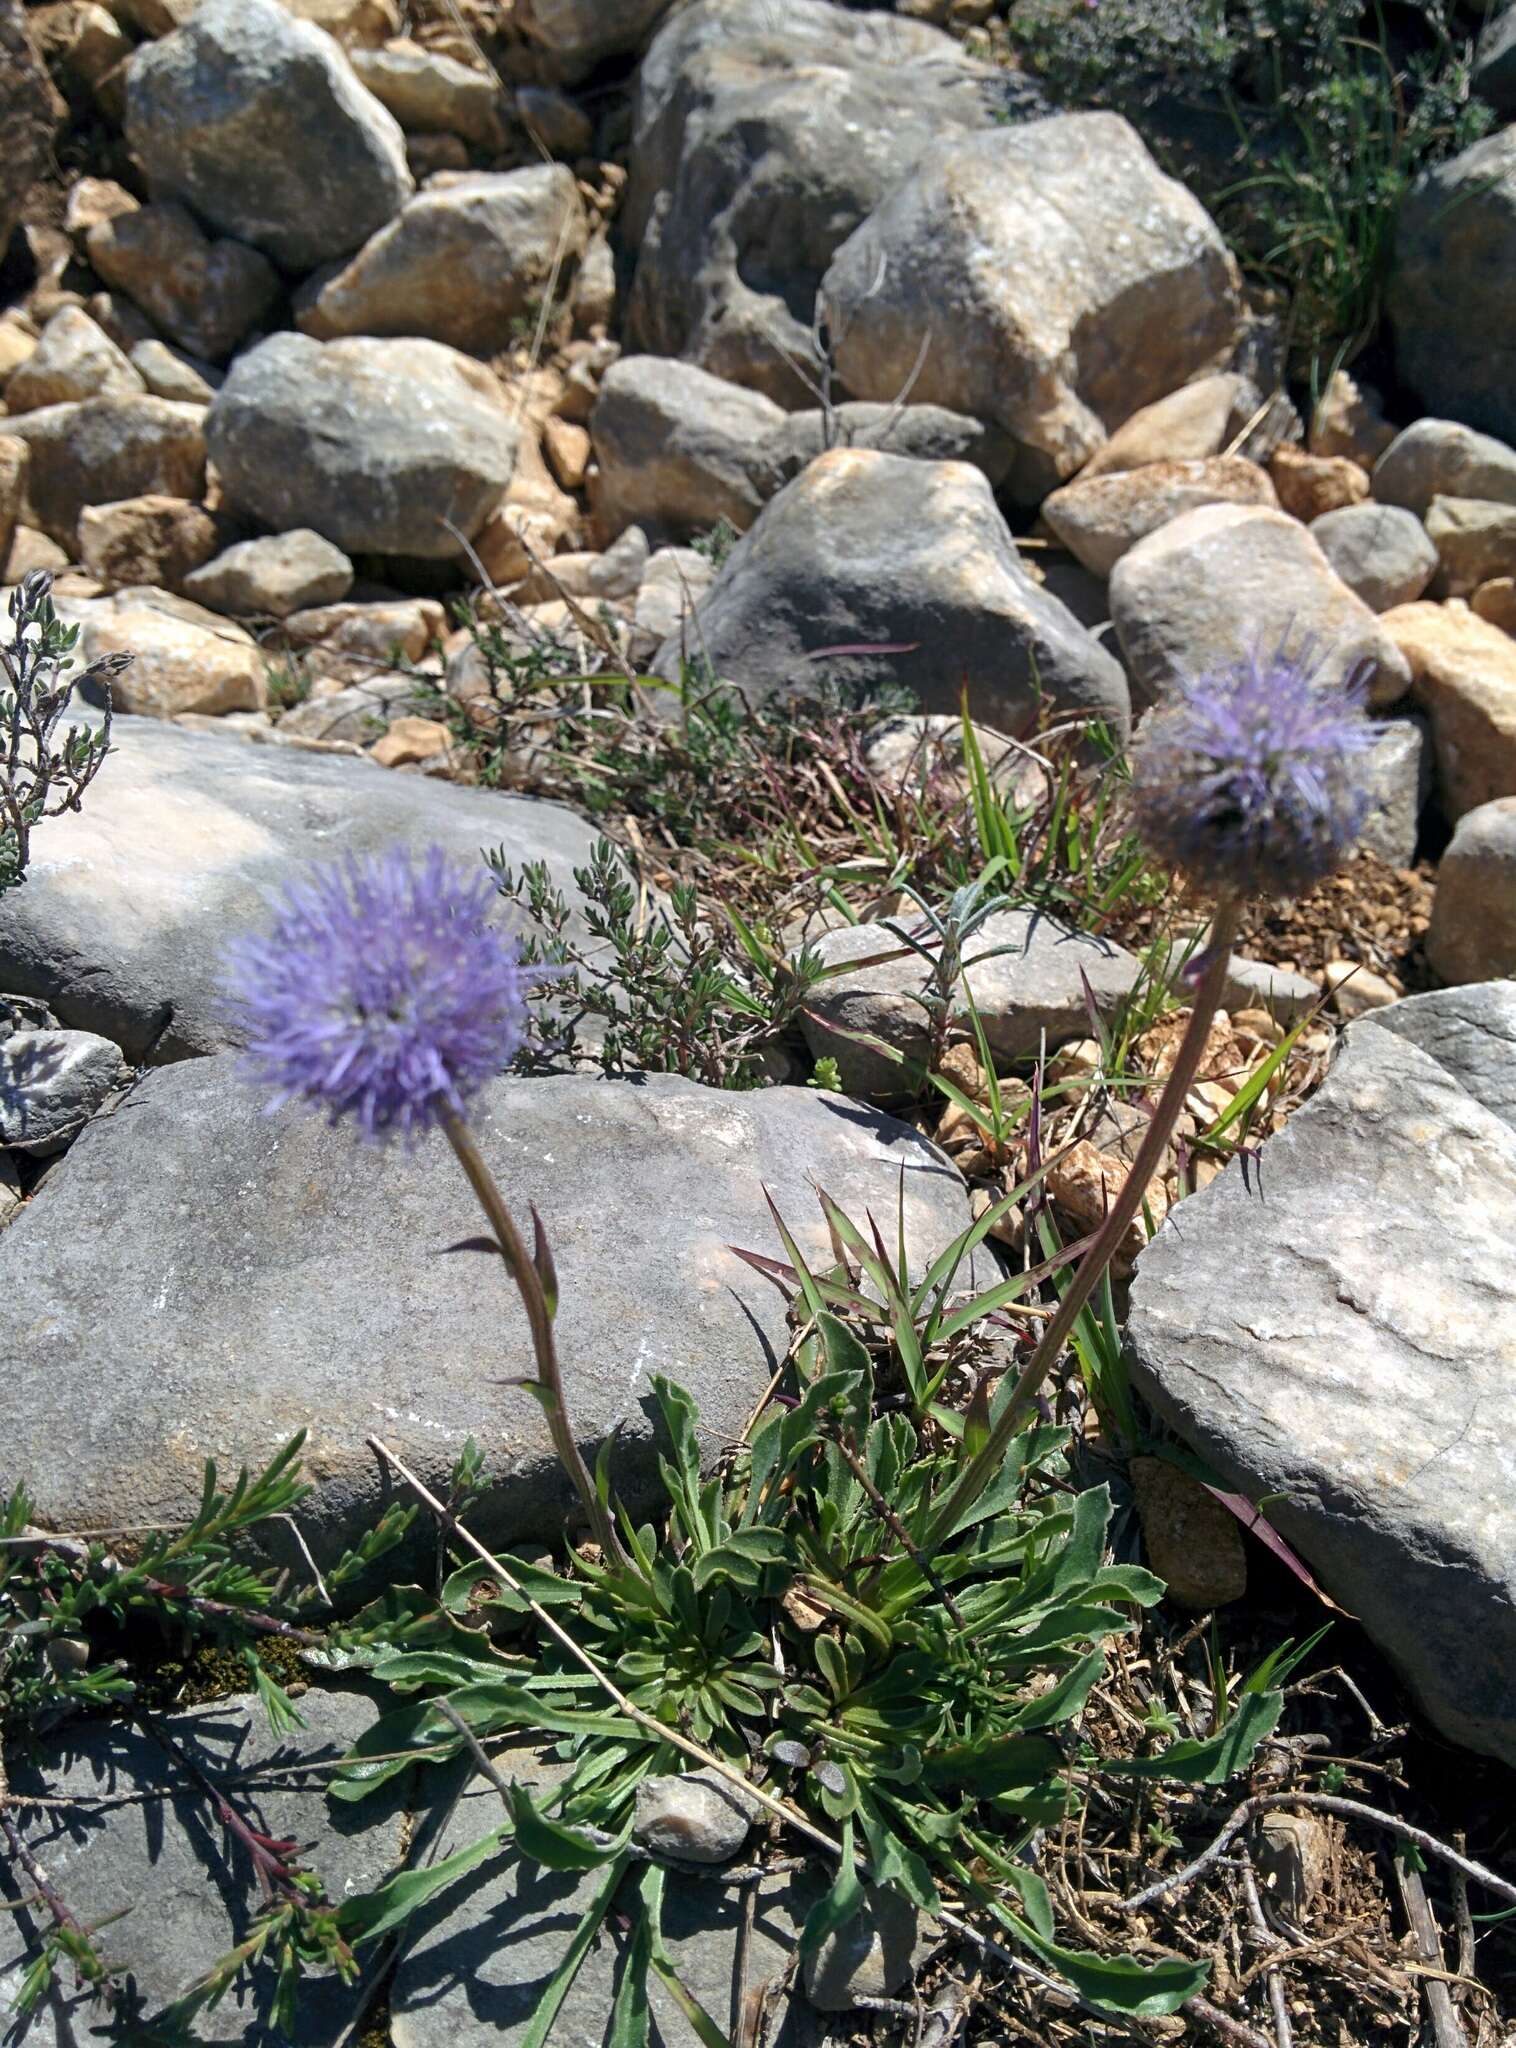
[372, 443]
[1199, 420]
[1259, 985]
[1026, 974]
[1495, 602]
[29, 112]
[1312, 485]
[1442, 458]
[294, 1226]
[462, 262]
[168, 373]
[745, 179]
[178, 663]
[433, 93]
[699, 1817]
[873, 1955]
[134, 1835]
[101, 450]
[356, 24]
[403, 629]
[410, 740]
[680, 450]
[1214, 584]
[1473, 930]
[1082, 285]
[871, 550]
[1464, 673]
[256, 121]
[13, 460]
[130, 900]
[73, 359]
[675, 581]
[1348, 421]
[1193, 1543]
[576, 35]
[153, 539]
[1346, 1345]
[1451, 298]
[206, 295]
[1099, 517]
[1475, 539]
[1382, 552]
[273, 577]
[51, 1084]
[1398, 770]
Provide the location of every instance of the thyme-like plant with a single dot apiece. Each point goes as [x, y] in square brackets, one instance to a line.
[43, 774]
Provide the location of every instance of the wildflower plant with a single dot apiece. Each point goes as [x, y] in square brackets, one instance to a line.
[41, 773]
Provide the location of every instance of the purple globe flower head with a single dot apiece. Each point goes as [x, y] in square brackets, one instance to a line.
[1251, 780]
[380, 992]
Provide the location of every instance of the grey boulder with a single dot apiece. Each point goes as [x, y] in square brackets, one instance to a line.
[130, 900]
[910, 570]
[1452, 295]
[1222, 582]
[1398, 771]
[138, 1855]
[1027, 975]
[1443, 458]
[1383, 553]
[51, 1084]
[1099, 517]
[379, 445]
[256, 121]
[278, 1273]
[276, 575]
[1472, 936]
[1047, 277]
[762, 138]
[679, 449]
[1336, 1332]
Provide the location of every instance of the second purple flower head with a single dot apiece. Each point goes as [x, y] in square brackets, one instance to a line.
[381, 992]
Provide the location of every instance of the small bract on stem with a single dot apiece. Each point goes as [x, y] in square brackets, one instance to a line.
[383, 995]
[1246, 782]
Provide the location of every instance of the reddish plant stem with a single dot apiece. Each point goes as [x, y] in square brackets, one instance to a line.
[982, 1468]
[539, 1318]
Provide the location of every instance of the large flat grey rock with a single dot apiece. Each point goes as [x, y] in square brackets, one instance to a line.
[479, 1961]
[130, 901]
[263, 1274]
[188, 1896]
[1338, 1332]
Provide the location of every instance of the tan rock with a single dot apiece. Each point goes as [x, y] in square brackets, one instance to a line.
[205, 294]
[92, 200]
[73, 359]
[1475, 539]
[1085, 1183]
[1194, 422]
[357, 24]
[567, 448]
[1295, 1856]
[1472, 936]
[17, 342]
[430, 93]
[1309, 485]
[1356, 990]
[81, 41]
[31, 550]
[1495, 602]
[1463, 670]
[1193, 1543]
[177, 664]
[1348, 422]
[13, 460]
[1099, 517]
[372, 632]
[409, 740]
[153, 539]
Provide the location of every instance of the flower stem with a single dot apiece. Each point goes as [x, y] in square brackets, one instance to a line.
[982, 1468]
[539, 1317]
